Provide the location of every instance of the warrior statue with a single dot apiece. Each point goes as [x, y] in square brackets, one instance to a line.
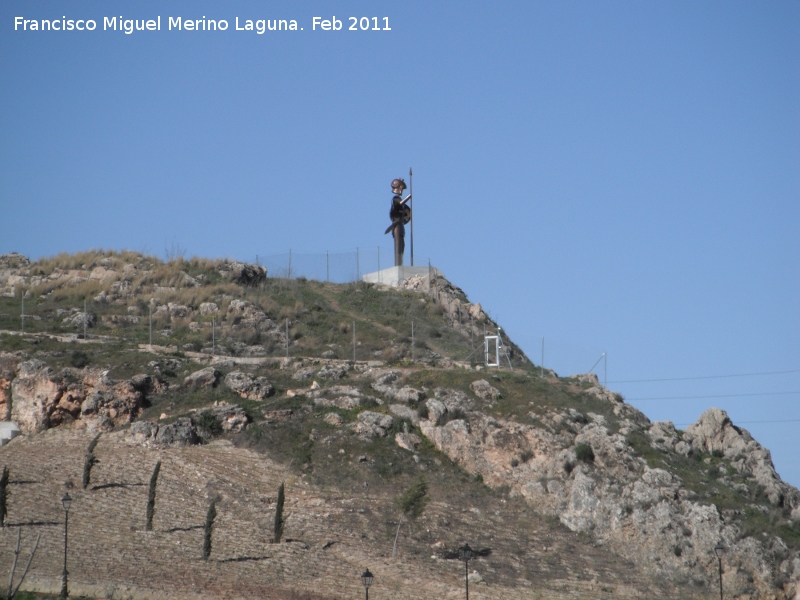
[400, 214]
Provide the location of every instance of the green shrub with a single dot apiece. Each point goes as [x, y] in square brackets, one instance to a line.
[79, 359]
[584, 453]
[514, 462]
[526, 456]
[422, 410]
[412, 502]
[208, 423]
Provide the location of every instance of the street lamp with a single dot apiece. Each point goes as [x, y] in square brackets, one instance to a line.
[367, 578]
[465, 553]
[719, 550]
[66, 501]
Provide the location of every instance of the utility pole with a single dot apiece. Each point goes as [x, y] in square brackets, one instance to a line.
[22, 318]
[410, 205]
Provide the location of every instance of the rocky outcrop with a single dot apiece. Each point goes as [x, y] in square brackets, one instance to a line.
[247, 386]
[372, 424]
[611, 493]
[44, 398]
[483, 389]
[714, 433]
[204, 378]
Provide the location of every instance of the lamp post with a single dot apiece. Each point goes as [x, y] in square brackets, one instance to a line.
[366, 578]
[719, 550]
[465, 553]
[66, 501]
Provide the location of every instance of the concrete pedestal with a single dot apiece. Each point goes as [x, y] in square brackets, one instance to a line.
[8, 431]
[393, 276]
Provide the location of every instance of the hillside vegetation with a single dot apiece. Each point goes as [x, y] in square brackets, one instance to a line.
[351, 393]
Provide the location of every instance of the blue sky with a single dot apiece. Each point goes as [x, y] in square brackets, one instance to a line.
[617, 177]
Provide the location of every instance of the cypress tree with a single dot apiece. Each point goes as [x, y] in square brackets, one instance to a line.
[208, 528]
[3, 496]
[279, 520]
[151, 497]
[90, 461]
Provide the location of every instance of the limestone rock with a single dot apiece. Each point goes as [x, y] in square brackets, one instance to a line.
[143, 431]
[180, 433]
[43, 398]
[209, 308]
[405, 412]
[78, 319]
[203, 378]
[407, 441]
[483, 389]
[334, 419]
[304, 374]
[247, 386]
[231, 417]
[332, 372]
[372, 424]
[714, 432]
[408, 394]
[244, 274]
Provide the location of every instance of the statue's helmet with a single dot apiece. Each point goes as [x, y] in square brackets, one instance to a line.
[398, 185]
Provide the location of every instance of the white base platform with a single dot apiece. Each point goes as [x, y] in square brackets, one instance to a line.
[8, 431]
[393, 276]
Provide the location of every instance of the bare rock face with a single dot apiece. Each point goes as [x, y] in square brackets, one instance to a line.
[612, 494]
[208, 377]
[715, 433]
[8, 367]
[247, 386]
[42, 398]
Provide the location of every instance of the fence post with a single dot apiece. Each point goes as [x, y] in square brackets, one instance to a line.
[289, 273]
[22, 318]
[542, 356]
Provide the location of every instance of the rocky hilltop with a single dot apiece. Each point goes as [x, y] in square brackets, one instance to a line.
[236, 382]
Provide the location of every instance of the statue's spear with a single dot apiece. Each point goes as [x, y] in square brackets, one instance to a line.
[410, 194]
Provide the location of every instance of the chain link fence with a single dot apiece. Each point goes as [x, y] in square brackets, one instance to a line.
[336, 267]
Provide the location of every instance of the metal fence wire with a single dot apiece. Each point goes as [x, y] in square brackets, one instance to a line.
[336, 267]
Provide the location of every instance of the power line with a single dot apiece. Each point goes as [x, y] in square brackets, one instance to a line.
[706, 377]
[748, 422]
[713, 396]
